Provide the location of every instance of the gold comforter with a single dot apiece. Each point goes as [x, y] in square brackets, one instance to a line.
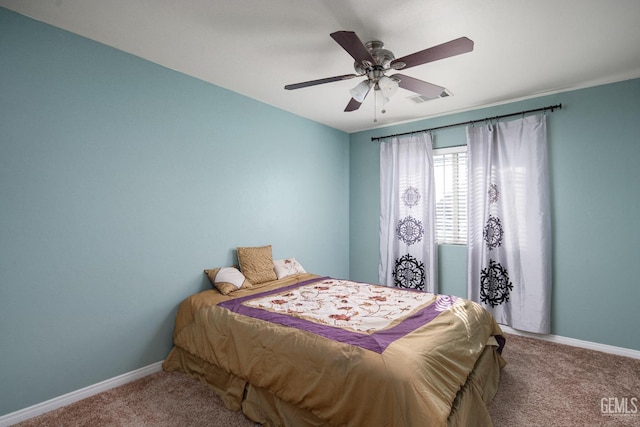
[392, 375]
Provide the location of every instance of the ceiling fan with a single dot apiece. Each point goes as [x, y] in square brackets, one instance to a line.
[374, 62]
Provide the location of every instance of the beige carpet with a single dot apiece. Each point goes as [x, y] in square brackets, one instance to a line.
[161, 399]
[547, 384]
[543, 384]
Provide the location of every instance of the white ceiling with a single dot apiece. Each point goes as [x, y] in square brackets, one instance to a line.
[523, 48]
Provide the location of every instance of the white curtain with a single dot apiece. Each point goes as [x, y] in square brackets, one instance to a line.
[408, 251]
[509, 247]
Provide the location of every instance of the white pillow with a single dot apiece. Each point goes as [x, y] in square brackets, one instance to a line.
[230, 275]
[287, 267]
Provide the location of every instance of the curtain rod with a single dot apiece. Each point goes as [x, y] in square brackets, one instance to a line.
[550, 107]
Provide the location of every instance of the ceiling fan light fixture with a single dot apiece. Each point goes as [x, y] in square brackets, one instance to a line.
[360, 91]
[388, 86]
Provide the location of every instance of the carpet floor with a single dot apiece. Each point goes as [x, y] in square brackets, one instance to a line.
[543, 384]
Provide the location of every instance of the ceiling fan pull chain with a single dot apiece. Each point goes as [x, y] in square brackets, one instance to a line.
[375, 106]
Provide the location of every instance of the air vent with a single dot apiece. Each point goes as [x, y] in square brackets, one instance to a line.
[419, 99]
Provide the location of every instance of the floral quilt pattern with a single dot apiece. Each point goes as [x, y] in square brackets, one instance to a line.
[367, 315]
[355, 306]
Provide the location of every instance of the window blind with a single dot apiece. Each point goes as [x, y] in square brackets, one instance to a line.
[450, 174]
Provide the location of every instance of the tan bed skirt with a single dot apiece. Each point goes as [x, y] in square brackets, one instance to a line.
[259, 405]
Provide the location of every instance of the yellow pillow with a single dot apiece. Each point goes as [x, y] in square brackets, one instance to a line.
[227, 279]
[256, 263]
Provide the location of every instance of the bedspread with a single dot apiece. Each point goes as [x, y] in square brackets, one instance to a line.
[362, 362]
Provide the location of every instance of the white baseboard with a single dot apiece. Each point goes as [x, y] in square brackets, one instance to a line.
[605, 348]
[74, 396]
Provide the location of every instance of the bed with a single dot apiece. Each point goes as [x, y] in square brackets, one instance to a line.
[307, 350]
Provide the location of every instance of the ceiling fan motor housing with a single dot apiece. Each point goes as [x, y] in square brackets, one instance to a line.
[382, 58]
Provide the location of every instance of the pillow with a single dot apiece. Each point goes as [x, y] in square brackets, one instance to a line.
[227, 279]
[256, 263]
[287, 267]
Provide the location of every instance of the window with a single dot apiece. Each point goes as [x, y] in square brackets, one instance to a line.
[450, 173]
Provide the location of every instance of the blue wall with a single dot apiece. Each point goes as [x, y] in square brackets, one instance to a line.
[594, 143]
[120, 181]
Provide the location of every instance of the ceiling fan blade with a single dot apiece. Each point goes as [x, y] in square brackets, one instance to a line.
[320, 81]
[353, 105]
[419, 86]
[353, 45]
[441, 51]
